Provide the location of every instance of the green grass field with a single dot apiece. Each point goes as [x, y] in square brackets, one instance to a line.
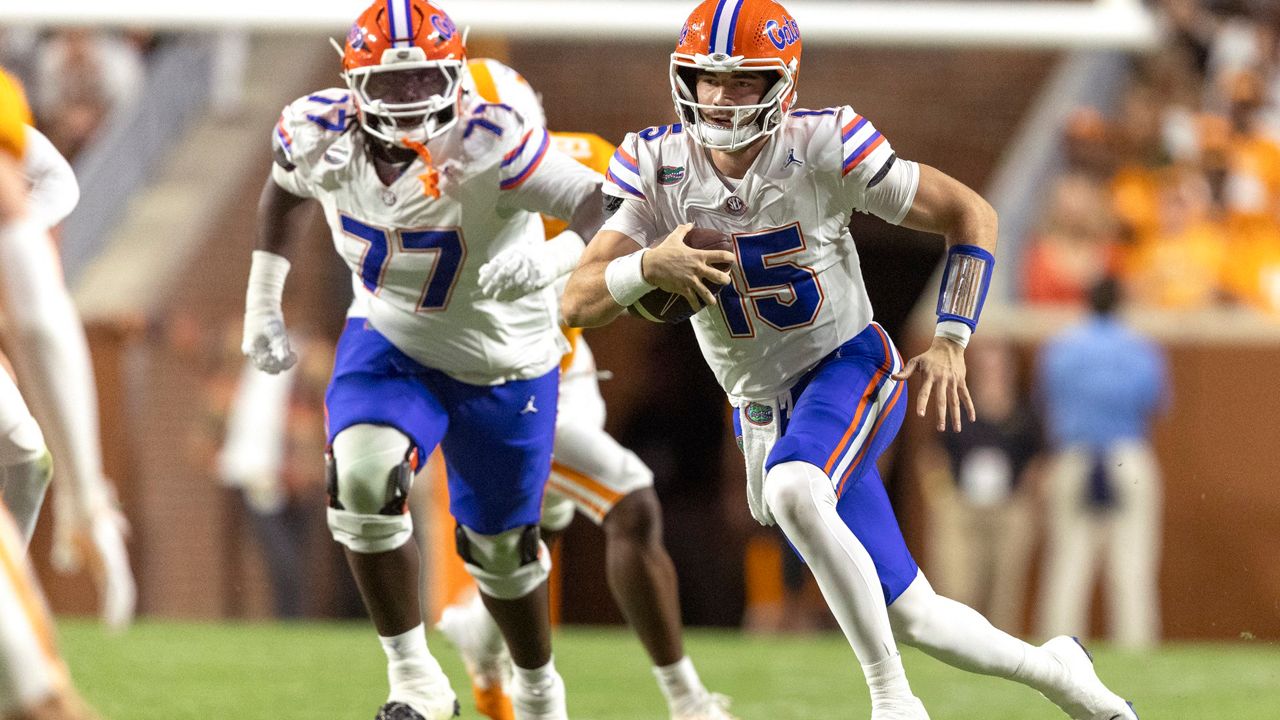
[334, 671]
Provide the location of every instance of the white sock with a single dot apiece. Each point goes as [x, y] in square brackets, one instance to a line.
[887, 681]
[680, 683]
[477, 617]
[804, 504]
[410, 664]
[537, 679]
[1041, 671]
[961, 637]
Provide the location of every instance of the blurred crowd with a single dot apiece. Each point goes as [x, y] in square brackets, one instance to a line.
[1178, 191]
[76, 78]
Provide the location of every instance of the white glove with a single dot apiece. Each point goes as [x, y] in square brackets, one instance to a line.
[518, 271]
[99, 539]
[265, 342]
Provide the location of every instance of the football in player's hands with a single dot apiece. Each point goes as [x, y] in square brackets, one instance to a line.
[661, 306]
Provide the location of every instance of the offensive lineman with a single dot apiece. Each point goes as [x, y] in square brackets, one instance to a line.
[817, 385]
[592, 473]
[34, 684]
[420, 189]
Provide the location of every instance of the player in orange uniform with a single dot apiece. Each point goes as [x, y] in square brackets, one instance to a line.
[51, 354]
[34, 684]
[591, 473]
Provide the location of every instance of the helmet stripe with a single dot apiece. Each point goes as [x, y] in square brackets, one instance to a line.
[733, 26]
[715, 27]
[723, 26]
[400, 22]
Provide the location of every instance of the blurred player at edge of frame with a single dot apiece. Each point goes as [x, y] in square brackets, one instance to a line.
[34, 684]
[421, 186]
[591, 473]
[817, 384]
[50, 352]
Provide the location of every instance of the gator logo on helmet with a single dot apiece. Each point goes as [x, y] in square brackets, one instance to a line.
[444, 26]
[355, 37]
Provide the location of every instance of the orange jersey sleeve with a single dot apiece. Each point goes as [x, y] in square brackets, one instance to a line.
[15, 115]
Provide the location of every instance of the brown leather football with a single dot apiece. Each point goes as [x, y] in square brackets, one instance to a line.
[661, 306]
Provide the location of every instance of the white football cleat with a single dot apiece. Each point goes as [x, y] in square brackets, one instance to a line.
[489, 669]
[713, 706]
[539, 703]
[912, 709]
[1085, 697]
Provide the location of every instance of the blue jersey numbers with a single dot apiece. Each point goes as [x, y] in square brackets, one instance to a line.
[782, 293]
[407, 259]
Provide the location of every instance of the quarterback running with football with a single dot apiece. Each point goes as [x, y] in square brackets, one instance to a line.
[591, 474]
[420, 188]
[817, 384]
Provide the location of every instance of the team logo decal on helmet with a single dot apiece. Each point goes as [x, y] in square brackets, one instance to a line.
[403, 61]
[728, 36]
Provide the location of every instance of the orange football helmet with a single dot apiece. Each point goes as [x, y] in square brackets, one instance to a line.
[727, 36]
[404, 61]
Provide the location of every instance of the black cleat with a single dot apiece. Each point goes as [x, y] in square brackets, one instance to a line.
[400, 711]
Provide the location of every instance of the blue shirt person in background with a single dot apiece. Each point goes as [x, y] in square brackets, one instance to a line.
[1102, 385]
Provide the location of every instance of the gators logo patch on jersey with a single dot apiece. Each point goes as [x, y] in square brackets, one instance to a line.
[669, 175]
[759, 413]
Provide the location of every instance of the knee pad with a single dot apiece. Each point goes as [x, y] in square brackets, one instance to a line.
[557, 511]
[369, 471]
[508, 565]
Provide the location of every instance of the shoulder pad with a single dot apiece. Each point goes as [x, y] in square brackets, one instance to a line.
[622, 179]
[308, 125]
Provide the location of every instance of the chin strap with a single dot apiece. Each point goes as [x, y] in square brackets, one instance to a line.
[430, 177]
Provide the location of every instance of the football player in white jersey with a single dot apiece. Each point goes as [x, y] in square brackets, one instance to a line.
[591, 473]
[34, 684]
[51, 355]
[420, 188]
[817, 384]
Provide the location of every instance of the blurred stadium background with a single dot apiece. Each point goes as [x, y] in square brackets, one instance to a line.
[1115, 137]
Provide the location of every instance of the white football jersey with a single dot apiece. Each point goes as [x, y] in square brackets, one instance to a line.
[415, 259]
[797, 291]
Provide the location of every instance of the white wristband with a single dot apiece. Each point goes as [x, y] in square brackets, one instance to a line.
[955, 331]
[267, 272]
[625, 279]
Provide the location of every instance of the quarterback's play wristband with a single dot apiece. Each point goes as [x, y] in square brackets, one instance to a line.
[965, 281]
[625, 280]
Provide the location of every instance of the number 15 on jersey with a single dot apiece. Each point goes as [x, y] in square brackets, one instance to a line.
[782, 293]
